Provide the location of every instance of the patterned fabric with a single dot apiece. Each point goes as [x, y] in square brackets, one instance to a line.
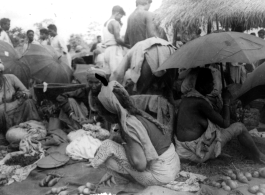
[112, 157]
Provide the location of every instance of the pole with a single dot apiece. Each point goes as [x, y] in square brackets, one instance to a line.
[217, 23]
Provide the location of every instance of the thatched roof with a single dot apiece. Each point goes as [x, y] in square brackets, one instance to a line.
[198, 12]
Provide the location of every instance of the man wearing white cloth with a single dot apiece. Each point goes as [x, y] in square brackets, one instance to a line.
[59, 45]
[5, 26]
[115, 50]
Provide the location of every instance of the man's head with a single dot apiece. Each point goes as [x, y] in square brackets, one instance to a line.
[44, 33]
[52, 30]
[5, 24]
[145, 3]
[261, 33]
[204, 81]
[118, 12]
[30, 35]
[99, 39]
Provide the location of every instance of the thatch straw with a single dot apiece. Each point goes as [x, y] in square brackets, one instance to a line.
[187, 13]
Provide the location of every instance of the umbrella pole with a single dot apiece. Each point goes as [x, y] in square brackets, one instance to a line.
[217, 23]
[222, 75]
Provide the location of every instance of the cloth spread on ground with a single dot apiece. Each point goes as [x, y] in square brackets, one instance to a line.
[130, 124]
[156, 104]
[190, 185]
[30, 128]
[18, 173]
[154, 50]
[112, 156]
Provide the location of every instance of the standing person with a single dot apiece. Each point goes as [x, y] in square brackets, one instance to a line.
[44, 36]
[140, 23]
[30, 37]
[5, 26]
[114, 51]
[59, 45]
[94, 46]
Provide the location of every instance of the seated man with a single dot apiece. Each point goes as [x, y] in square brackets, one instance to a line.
[198, 135]
[78, 106]
[15, 105]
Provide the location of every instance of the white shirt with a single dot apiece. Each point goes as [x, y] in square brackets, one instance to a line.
[44, 42]
[4, 37]
[58, 44]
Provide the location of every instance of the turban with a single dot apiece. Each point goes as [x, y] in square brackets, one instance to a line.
[2, 68]
[91, 72]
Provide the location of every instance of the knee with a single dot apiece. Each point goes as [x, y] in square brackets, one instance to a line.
[241, 127]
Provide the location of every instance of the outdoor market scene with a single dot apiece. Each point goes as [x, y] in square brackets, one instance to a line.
[150, 97]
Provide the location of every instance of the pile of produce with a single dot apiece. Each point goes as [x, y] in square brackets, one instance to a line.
[50, 180]
[232, 179]
[22, 160]
[87, 189]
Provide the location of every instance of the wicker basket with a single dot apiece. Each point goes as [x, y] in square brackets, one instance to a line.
[54, 89]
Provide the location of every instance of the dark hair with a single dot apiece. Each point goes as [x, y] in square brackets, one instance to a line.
[30, 31]
[98, 36]
[4, 21]
[128, 104]
[204, 77]
[44, 31]
[143, 2]
[52, 27]
[118, 9]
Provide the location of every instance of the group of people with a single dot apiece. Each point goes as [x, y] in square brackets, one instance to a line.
[48, 36]
[144, 150]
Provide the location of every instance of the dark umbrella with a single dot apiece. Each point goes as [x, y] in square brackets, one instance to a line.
[253, 88]
[45, 66]
[217, 47]
[12, 64]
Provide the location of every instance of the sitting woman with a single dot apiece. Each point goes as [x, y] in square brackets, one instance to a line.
[145, 152]
[15, 105]
[78, 106]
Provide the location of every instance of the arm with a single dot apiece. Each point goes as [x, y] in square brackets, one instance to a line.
[126, 38]
[18, 85]
[62, 45]
[63, 99]
[213, 116]
[135, 154]
[116, 32]
[150, 26]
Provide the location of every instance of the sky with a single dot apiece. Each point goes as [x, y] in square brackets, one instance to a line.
[69, 16]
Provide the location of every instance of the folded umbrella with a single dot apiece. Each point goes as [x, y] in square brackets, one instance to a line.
[45, 66]
[12, 64]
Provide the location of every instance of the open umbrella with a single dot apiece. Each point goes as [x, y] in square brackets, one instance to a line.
[253, 88]
[12, 64]
[45, 66]
[217, 47]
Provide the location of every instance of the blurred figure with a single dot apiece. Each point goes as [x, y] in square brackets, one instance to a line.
[179, 42]
[59, 45]
[30, 37]
[44, 37]
[140, 23]
[5, 26]
[254, 34]
[94, 46]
